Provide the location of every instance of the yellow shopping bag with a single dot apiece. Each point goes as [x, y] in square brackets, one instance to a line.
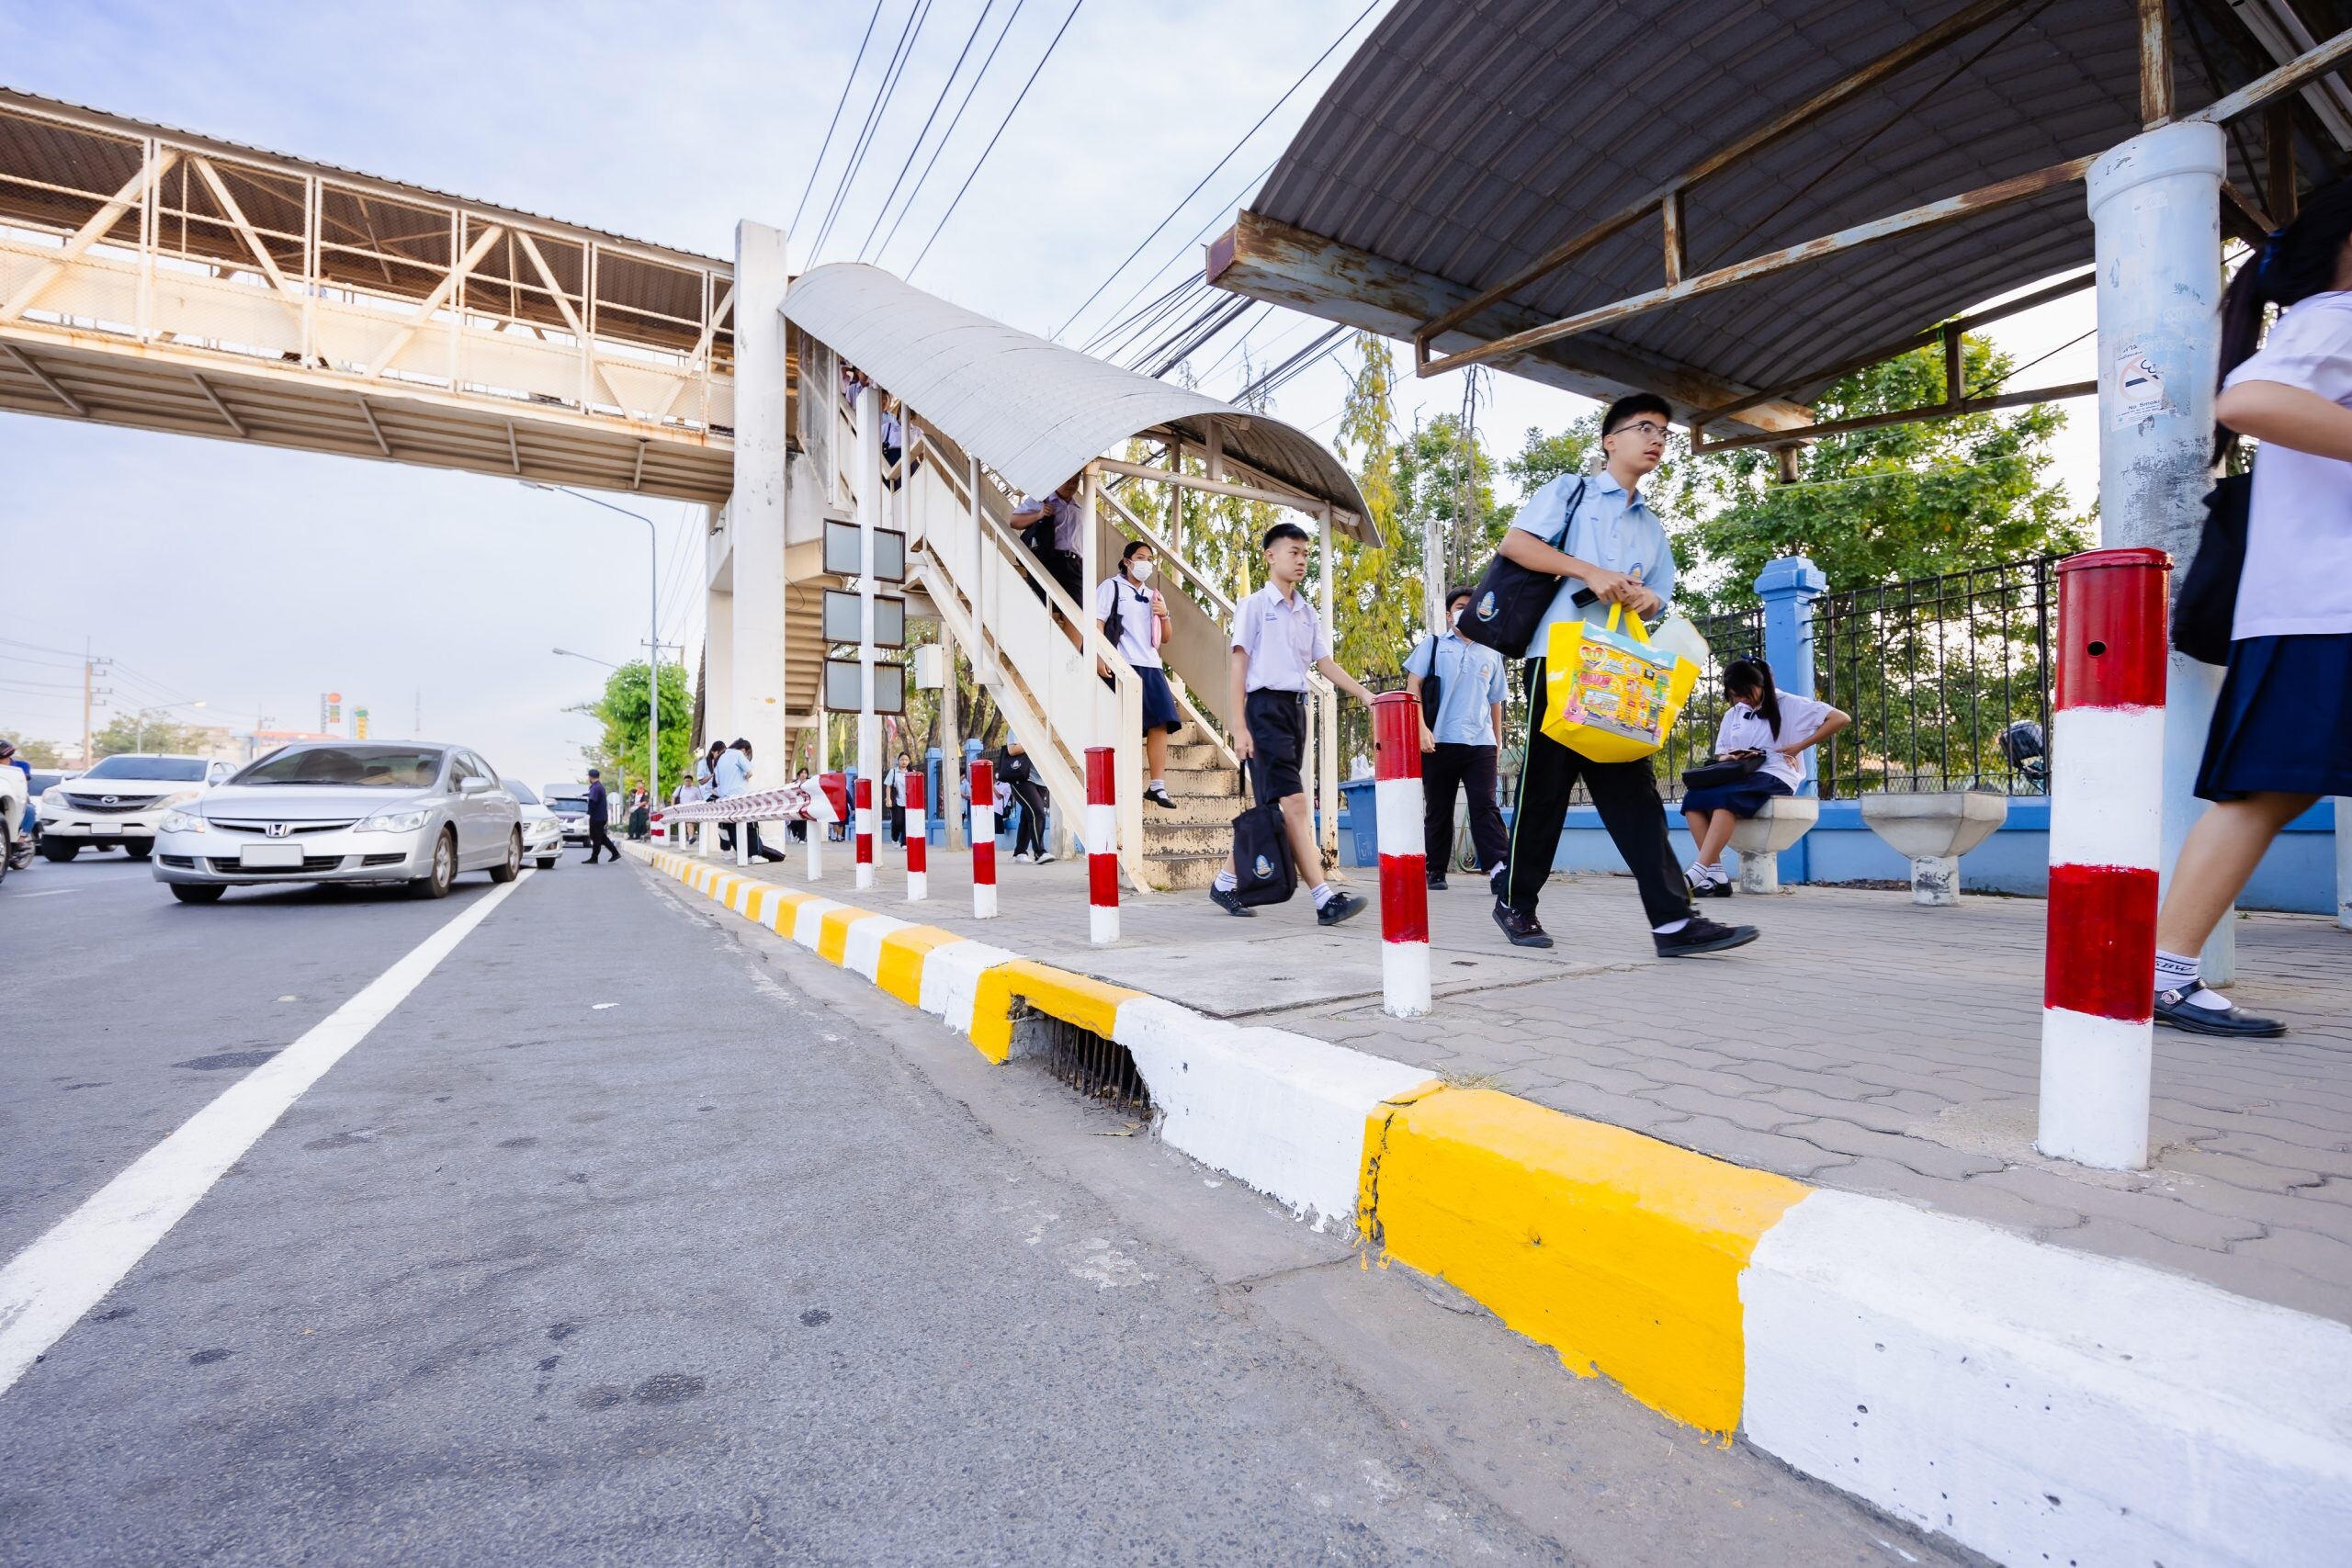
[1611, 696]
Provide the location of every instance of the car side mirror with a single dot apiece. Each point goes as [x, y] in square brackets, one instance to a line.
[472, 785]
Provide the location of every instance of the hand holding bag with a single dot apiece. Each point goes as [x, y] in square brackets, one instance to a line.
[1261, 859]
[1608, 694]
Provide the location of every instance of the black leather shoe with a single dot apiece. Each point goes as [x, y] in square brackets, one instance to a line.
[1437, 884]
[1160, 797]
[1340, 906]
[1525, 930]
[2174, 1010]
[1229, 900]
[1702, 935]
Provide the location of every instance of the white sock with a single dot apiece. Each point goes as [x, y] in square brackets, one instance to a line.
[1160, 785]
[2176, 972]
[1670, 927]
[1324, 894]
[1226, 881]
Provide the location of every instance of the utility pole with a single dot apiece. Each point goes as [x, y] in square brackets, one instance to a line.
[90, 693]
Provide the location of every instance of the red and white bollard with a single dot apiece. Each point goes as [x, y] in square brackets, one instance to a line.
[865, 831]
[917, 841]
[2107, 753]
[1102, 844]
[983, 777]
[1404, 868]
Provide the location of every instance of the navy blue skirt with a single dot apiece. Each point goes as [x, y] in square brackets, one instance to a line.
[1159, 702]
[2283, 723]
[1744, 798]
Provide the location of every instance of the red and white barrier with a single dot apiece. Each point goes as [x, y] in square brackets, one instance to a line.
[1404, 868]
[983, 777]
[918, 839]
[2106, 746]
[1102, 844]
[865, 831]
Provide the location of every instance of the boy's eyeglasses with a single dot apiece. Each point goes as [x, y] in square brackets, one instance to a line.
[1641, 427]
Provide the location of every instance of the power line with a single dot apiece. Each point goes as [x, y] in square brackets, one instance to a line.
[891, 74]
[1221, 163]
[937, 104]
[949, 134]
[847, 82]
[942, 224]
[1216, 216]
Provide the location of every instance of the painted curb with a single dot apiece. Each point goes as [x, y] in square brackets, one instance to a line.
[2033, 1403]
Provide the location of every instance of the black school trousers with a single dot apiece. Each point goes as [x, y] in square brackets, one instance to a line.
[1625, 794]
[1444, 774]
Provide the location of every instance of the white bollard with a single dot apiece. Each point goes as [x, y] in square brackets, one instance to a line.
[917, 841]
[983, 775]
[1404, 865]
[1101, 845]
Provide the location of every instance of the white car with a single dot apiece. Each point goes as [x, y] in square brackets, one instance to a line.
[344, 811]
[570, 803]
[542, 829]
[117, 804]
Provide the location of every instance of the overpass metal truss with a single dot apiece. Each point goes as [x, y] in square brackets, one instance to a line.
[166, 281]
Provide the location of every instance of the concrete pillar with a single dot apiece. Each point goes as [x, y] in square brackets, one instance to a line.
[757, 506]
[951, 744]
[871, 498]
[719, 668]
[1788, 587]
[2155, 208]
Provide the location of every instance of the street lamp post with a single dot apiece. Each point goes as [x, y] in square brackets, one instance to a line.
[653, 632]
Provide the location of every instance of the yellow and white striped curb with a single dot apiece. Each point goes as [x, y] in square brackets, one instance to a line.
[2032, 1401]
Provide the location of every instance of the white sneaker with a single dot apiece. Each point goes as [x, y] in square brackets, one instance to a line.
[1044, 859]
[1021, 857]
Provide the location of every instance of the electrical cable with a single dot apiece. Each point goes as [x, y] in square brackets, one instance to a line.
[1217, 216]
[1187, 291]
[1221, 163]
[942, 224]
[949, 134]
[891, 74]
[839, 104]
[937, 104]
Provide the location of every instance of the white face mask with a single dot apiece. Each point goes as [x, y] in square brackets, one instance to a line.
[1140, 570]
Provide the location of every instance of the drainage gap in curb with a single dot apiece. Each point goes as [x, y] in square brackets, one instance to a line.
[1101, 1070]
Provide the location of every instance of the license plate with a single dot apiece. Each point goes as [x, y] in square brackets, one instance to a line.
[105, 829]
[270, 857]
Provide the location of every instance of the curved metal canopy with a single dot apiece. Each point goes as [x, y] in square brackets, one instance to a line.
[1469, 138]
[1035, 411]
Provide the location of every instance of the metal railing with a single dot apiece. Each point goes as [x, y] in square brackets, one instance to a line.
[1933, 670]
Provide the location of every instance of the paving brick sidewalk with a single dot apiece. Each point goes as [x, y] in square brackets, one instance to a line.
[1863, 1044]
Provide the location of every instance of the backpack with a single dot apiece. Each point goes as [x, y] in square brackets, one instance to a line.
[1261, 858]
[1431, 697]
[2207, 601]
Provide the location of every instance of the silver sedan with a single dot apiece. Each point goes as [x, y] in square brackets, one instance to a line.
[344, 811]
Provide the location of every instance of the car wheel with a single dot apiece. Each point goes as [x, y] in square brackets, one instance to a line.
[445, 868]
[511, 867]
[197, 891]
[138, 851]
[59, 852]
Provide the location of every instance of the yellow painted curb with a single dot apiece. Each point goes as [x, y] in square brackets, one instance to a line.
[1074, 998]
[898, 970]
[1621, 1252]
[833, 932]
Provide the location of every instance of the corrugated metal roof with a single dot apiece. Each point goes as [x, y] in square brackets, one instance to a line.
[1035, 411]
[1468, 137]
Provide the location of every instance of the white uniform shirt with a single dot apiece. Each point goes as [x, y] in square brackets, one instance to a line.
[2298, 576]
[1070, 519]
[1744, 729]
[1137, 628]
[1284, 638]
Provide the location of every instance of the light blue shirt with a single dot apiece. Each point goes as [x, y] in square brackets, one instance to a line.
[734, 773]
[1611, 529]
[1469, 682]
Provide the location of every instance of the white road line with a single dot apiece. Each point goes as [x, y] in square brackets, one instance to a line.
[45, 1288]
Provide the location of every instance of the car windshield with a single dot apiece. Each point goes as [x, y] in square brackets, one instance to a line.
[371, 767]
[174, 769]
[520, 792]
[568, 803]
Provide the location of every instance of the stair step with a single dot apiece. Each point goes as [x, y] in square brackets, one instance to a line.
[1188, 838]
[1192, 810]
[1221, 784]
[1187, 872]
[1199, 755]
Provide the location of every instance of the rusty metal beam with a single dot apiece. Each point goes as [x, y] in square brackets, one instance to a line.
[1968, 204]
[48, 381]
[1678, 242]
[2241, 218]
[1904, 416]
[2156, 63]
[1958, 25]
[2280, 195]
[1270, 259]
[2305, 67]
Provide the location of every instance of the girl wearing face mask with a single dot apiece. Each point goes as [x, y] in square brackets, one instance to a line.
[1134, 619]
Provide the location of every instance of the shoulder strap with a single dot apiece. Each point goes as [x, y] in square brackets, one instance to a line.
[1568, 515]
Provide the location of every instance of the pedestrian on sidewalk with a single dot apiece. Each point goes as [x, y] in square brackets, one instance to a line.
[600, 817]
[640, 817]
[1765, 727]
[734, 776]
[1134, 619]
[798, 828]
[1613, 551]
[2282, 735]
[1277, 638]
[1460, 682]
[894, 797]
[1016, 779]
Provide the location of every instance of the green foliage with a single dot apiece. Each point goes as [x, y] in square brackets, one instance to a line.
[624, 714]
[125, 733]
[40, 753]
[1376, 591]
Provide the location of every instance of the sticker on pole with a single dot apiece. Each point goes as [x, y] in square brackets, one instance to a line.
[2139, 387]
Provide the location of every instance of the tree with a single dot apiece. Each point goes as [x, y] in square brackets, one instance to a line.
[40, 753]
[125, 732]
[1891, 503]
[624, 714]
[1445, 471]
[1375, 590]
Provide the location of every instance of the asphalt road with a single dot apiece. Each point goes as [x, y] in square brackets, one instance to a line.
[632, 1235]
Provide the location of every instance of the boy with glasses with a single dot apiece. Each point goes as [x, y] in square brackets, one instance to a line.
[1614, 551]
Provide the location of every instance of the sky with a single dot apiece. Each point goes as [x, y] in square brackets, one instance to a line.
[252, 579]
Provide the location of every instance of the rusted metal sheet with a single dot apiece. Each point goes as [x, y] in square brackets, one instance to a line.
[2156, 63]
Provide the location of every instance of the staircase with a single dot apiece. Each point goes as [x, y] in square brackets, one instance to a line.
[1185, 847]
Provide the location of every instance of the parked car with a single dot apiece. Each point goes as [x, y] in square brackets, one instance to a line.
[570, 803]
[542, 829]
[118, 803]
[13, 795]
[45, 780]
[344, 811]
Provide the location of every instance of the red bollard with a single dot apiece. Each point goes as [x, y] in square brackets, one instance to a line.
[2106, 746]
[918, 839]
[983, 775]
[1404, 869]
[865, 831]
[1102, 844]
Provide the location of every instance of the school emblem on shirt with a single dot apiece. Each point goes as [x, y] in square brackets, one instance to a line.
[1263, 869]
[1487, 607]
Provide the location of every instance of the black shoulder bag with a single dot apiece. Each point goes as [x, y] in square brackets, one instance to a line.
[2207, 600]
[1261, 859]
[1511, 599]
[1431, 697]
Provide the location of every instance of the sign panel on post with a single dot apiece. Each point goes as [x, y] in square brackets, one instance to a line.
[841, 687]
[842, 618]
[842, 552]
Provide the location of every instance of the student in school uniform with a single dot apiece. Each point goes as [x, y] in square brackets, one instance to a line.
[1141, 615]
[2281, 736]
[1777, 726]
[1277, 638]
[1458, 751]
[1061, 557]
[894, 801]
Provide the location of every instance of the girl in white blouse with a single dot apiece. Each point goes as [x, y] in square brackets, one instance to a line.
[1776, 729]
